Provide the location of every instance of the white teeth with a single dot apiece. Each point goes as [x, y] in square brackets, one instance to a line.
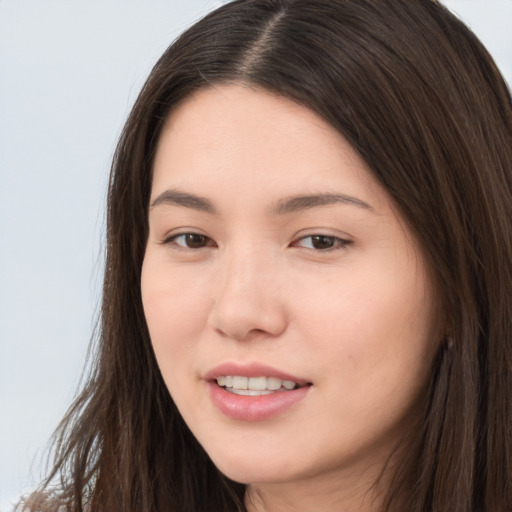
[240, 382]
[288, 384]
[254, 385]
[249, 392]
[257, 383]
[273, 383]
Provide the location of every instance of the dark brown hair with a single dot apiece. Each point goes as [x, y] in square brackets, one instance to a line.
[420, 99]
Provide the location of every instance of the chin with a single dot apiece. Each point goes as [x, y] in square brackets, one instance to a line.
[250, 470]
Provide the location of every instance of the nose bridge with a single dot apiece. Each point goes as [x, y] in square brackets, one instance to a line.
[243, 266]
[248, 298]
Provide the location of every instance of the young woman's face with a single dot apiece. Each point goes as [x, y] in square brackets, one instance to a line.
[274, 261]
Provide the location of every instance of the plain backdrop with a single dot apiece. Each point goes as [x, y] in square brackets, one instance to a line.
[69, 73]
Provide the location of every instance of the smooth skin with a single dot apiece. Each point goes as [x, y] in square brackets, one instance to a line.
[330, 287]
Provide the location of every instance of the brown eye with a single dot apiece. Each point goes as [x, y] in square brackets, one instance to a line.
[191, 241]
[322, 243]
[194, 241]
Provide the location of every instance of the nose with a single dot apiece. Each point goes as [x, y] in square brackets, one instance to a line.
[249, 300]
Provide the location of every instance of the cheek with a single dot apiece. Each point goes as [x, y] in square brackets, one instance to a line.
[367, 306]
[176, 313]
[173, 298]
[373, 330]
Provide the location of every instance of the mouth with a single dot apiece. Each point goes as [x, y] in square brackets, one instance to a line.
[255, 386]
[254, 391]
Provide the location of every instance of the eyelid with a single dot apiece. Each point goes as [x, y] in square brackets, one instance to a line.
[169, 239]
[339, 242]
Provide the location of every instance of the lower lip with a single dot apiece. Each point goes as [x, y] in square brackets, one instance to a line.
[254, 408]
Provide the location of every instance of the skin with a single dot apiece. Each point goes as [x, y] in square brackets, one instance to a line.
[351, 312]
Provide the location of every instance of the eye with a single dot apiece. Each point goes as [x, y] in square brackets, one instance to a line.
[190, 241]
[321, 243]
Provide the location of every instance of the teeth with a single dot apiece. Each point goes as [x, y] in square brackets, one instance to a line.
[249, 392]
[257, 383]
[273, 383]
[240, 382]
[254, 386]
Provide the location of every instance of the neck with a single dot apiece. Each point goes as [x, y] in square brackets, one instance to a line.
[332, 493]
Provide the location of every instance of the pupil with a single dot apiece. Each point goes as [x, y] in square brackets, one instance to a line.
[194, 241]
[322, 242]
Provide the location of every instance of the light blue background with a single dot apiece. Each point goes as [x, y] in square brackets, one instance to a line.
[69, 73]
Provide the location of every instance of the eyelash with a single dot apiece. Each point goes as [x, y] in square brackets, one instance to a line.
[172, 240]
[337, 242]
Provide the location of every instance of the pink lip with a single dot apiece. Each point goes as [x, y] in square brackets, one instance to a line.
[253, 408]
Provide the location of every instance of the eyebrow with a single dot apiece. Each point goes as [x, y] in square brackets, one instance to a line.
[299, 203]
[177, 198]
[293, 204]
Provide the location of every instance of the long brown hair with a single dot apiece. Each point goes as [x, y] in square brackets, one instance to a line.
[417, 95]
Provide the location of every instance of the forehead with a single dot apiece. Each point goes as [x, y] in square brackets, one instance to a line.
[233, 134]
[245, 117]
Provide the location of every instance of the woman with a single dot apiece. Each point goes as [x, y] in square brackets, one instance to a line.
[307, 301]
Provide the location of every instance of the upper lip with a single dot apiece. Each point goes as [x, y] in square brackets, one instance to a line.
[252, 370]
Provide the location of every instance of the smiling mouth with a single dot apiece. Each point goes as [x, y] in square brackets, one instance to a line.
[255, 386]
